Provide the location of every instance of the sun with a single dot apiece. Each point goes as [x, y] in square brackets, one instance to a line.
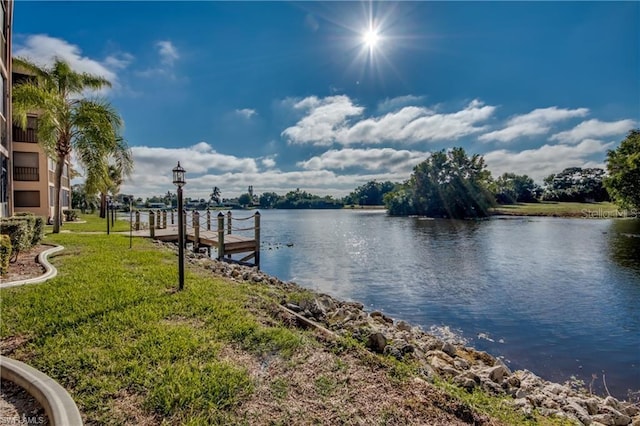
[371, 38]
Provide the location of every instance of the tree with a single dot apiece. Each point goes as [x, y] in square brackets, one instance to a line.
[448, 184]
[268, 200]
[82, 200]
[511, 188]
[623, 165]
[245, 199]
[575, 184]
[118, 169]
[70, 122]
[370, 194]
[215, 195]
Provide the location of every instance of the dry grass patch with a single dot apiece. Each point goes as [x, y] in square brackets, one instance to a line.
[316, 386]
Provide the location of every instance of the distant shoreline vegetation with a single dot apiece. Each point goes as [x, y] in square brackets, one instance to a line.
[452, 184]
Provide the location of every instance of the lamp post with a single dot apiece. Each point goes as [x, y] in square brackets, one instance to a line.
[178, 180]
[108, 204]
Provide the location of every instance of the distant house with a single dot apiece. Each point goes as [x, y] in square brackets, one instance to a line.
[158, 206]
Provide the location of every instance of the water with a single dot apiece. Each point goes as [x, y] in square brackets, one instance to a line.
[557, 296]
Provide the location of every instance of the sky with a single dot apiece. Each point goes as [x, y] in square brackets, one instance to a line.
[326, 96]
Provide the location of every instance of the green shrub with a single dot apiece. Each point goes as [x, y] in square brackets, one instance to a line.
[38, 231]
[70, 215]
[18, 232]
[5, 253]
[35, 226]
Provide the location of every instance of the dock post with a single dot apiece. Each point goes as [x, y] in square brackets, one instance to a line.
[208, 219]
[229, 222]
[137, 220]
[172, 218]
[164, 219]
[158, 221]
[256, 231]
[152, 224]
[196, 231]
[220, 236]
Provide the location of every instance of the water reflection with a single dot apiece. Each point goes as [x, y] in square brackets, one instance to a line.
[556, 296]
[624, 243]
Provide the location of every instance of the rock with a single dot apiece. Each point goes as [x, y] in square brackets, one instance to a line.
[556, 389]
[448, 349]
[377, 342]
[619, 419]
[403, 326]
[497, 373]
[461, 364]
[577, 410]
[591, 405]
[611, 402]
[630, 409]
[521, 393]
[393, 351]
[293, 307]
[636, 421]
[605, 419]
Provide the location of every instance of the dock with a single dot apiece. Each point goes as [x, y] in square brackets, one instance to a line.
[199, 233]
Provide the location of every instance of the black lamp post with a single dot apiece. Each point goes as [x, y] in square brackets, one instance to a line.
[178, 180]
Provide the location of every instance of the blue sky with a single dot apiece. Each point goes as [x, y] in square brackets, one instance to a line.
[283, 95]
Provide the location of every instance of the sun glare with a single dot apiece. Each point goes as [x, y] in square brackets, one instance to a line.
[371, 38]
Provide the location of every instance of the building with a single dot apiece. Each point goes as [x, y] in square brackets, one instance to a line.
[33, 171]
[6, 20]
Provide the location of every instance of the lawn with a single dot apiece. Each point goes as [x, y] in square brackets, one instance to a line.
[112, 329]
[547, 208]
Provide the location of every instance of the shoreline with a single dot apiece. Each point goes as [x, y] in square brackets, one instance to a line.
[439, 359]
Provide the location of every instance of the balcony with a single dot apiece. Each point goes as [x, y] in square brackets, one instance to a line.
[26, 174]
[28, 135]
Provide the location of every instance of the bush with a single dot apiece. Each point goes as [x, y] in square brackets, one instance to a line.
[18, 232]
[70, 215]
[38, 231]
[24, 231]
[5, 253]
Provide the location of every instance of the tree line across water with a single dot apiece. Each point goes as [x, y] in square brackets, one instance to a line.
[453, 184]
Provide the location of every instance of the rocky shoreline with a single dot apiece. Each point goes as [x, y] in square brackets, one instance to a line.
[464, 366]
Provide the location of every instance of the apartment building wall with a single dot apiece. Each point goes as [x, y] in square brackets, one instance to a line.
[33, 174]
[6, 20]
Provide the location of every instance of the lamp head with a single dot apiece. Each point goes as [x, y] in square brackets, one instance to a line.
[178, 176]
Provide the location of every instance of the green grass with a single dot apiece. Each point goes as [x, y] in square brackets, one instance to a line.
[91, 223]
[498, 407]
[585, 210]
[111, 323]
[113, 330]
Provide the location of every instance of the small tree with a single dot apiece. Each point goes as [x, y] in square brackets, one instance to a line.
[448, 184]
[623, 165]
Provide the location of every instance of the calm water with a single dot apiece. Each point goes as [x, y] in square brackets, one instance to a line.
[559, 297]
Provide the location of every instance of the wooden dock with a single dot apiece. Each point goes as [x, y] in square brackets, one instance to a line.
[200, 235]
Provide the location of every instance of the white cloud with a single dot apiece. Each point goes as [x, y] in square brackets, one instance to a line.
[327, 122]
[541, 162]
[594, 129]
[246, 112]
[536, 122]
[325, 118]
[168, 52]
[268, 162]
[43, 50]
[393, 104]
[397, 161]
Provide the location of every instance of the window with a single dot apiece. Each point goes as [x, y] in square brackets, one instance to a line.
[29, 134]
[65, 198]
[52, 196]
[26, 198]
[4, 181]
[25, 166]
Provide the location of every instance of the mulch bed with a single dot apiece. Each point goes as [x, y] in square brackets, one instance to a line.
[17, 407]
[27, 265]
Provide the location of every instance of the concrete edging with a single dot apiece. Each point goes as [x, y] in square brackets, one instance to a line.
[56, 401]
[50, 270]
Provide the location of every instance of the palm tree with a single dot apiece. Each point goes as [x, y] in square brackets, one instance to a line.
[215, 195]
[118, 169]
[70, 122]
